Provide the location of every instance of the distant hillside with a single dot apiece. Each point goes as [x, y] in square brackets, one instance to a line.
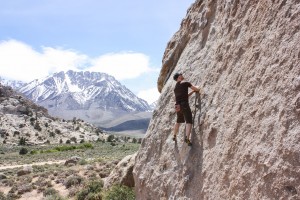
[21, 118]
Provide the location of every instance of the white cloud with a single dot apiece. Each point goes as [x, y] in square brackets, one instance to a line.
[19, 61]
[150, 95]
[63, 60]
[126, 65]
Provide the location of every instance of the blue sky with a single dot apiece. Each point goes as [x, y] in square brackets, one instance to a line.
[125, 39]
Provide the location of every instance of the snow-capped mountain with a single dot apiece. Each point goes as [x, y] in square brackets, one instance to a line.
[12, 83]
[153, 105]
[83, 90]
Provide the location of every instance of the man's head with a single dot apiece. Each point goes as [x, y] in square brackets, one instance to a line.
[176, 75]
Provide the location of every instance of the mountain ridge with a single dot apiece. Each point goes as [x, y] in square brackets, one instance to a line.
[83, 89]
[95, 97]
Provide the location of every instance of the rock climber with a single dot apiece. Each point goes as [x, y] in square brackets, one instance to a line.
[183, 110]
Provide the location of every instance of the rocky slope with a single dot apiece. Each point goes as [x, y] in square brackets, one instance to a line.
[245, 55]
[21, 118]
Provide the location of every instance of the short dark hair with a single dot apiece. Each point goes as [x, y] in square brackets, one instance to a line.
[176, 75]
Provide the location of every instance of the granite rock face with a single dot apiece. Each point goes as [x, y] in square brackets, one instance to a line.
[122, 173]
[246, 57]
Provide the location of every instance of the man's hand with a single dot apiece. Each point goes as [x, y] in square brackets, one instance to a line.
[196, 89]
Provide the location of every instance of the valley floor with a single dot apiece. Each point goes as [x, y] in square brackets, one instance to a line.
[50, 174]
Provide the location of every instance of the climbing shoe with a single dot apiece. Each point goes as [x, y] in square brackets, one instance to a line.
[174, 138]
[186, 139]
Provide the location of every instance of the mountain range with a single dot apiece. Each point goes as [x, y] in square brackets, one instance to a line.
[95, 97]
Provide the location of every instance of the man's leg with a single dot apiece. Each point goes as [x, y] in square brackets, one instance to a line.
[176, 128]
[188, 128]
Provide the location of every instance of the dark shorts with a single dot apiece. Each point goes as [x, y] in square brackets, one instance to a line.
[185, 114]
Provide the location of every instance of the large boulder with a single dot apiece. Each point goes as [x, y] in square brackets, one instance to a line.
[246, 57]
[122, 173]
[26, 170]
[72, 161]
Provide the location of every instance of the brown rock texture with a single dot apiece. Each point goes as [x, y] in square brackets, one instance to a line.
[246, 141]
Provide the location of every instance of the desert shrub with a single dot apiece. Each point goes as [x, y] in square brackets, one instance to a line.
[119, 192]
[26, 111]
[32, 152]
[49, 192]
[57, 131]
[134, 140]
[82, 141]
[49, 151]
[94, 196]
[11, 195]
[3, 133]
[113, 144]
[25, 188]
[110, 138]
[2, 196]
[73, 139]
[22, 141]
[21, 125]
[73, 147]
[23, 151]
[37, 126]
[52, 134]
[73, 181]
[98, 131]
[68, 142]
[16, 133]
[82, 162]
[91, 191]
[60, 141]
[54, 197]
[65, 148]
[86, 146]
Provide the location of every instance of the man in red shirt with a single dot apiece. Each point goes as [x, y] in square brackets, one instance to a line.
[182, 99]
